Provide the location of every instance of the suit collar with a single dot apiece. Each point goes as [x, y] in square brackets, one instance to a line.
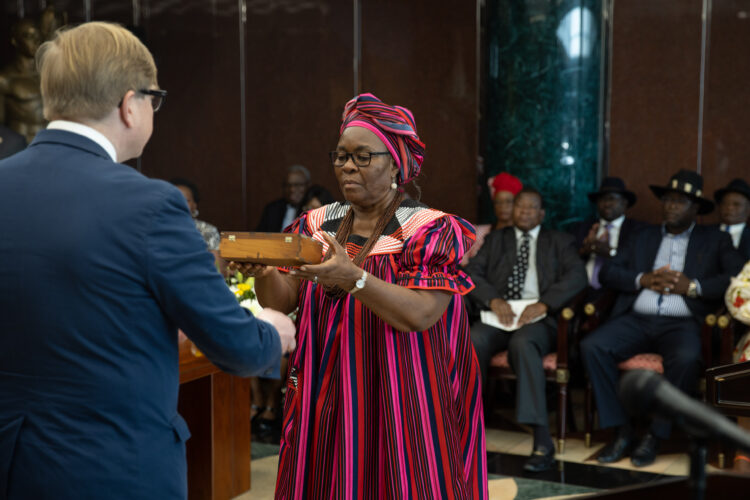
[86, 131]
[65, 138]
[534, 233]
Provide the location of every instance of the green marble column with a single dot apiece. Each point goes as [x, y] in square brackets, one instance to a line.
[543, 100]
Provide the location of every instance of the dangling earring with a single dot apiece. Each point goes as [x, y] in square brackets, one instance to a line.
[394, 185]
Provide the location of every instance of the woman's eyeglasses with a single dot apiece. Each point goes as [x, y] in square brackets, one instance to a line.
[360, 159]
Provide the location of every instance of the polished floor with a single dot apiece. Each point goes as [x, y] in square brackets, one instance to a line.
[577, 473]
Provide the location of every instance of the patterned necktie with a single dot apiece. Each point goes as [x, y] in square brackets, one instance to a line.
[517, 278]
[599, 260]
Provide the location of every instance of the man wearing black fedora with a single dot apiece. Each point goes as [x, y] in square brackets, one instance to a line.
[669, 277]
[598, 239]
[733, 202]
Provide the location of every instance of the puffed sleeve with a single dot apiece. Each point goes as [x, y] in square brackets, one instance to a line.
[299, 226]
[430, 258]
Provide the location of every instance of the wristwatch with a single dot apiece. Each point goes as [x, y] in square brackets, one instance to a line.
[360, 283]
[692, 291]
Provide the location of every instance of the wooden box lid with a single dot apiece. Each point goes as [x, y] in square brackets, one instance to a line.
[271, 249]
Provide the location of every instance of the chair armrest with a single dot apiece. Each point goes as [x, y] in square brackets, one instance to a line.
[564, 320]
[724, 323]
[601, 305]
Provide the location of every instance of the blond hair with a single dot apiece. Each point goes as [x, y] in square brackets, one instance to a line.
[85, 71]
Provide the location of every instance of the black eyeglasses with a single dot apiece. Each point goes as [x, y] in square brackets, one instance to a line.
[360, 159]
[159, 96]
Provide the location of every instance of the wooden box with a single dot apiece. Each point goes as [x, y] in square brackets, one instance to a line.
[272, 249]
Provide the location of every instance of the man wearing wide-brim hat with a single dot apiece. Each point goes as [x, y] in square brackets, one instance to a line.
[734, 209]
[597, 239]
[669, 277]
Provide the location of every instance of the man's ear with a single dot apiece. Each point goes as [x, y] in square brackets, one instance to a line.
[127, 109]
[541, 216]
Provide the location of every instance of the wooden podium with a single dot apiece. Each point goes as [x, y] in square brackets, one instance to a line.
[216, 407]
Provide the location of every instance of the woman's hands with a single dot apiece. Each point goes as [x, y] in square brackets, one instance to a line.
[249, 269]
[339, 270]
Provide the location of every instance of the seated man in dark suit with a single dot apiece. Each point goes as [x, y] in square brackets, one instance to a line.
[734, 209]
[280, 213]
[668, 278]
[598, 239]
[525, 261]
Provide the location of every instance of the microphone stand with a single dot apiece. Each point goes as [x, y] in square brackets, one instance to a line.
[697, 481]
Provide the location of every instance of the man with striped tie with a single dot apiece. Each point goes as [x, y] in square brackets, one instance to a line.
[668, 278]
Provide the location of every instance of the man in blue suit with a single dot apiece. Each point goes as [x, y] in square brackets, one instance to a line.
[669, 277]
[99, 267]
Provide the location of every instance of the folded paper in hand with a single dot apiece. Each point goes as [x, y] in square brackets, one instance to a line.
[517, 306]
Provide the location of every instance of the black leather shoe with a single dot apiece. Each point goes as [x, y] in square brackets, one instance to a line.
[645, 453]
[541, 459]
[615, 450]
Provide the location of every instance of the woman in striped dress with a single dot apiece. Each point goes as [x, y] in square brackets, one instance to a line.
[383, 394]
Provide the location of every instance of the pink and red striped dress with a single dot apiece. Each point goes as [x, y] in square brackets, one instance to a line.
[372, 412]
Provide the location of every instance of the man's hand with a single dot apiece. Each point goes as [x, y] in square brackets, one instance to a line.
[283, 325]
[676, 282]
[665, 281]
[594, 244]
[532, 312]
[503, 311]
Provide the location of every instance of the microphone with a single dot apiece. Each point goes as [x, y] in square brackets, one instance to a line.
[644, 392]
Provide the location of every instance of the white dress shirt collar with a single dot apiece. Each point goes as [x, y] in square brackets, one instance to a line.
[533, 233]
[614, 223]
[86, 131]
[735, 231]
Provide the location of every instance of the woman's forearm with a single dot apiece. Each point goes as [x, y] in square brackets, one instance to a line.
[406, 309]
[277, 291]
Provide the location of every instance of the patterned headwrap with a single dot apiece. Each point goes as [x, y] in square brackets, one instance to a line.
[394, 125]
[504, 182]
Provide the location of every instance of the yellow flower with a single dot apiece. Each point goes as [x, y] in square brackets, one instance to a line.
[243, 287]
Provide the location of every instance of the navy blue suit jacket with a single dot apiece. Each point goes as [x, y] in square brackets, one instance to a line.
[99, 266]
[711, 259]
[744, 246]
